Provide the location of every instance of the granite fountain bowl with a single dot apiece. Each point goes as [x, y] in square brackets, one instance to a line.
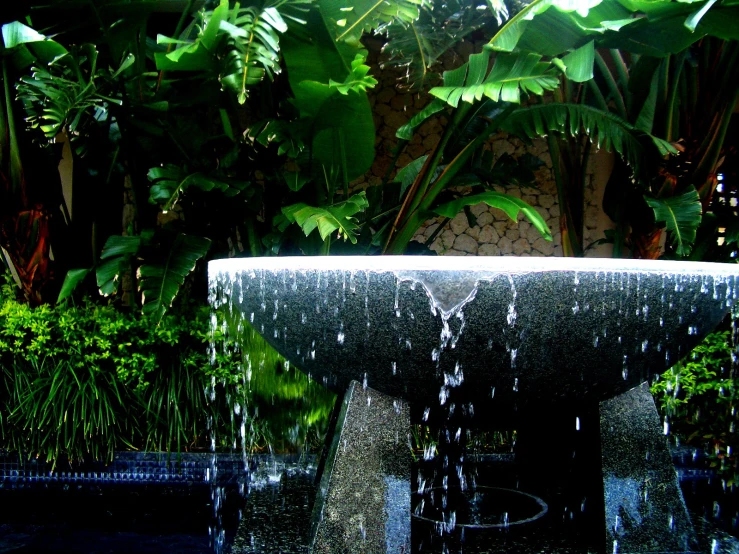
[503, 332]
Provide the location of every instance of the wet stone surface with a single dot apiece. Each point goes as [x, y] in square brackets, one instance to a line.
[644, 507]
[363, 503]
[276, 517]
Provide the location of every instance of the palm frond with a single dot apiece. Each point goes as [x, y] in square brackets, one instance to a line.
[243, 43]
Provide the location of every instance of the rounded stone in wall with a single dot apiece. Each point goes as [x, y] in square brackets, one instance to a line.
[459, 224]
[474, 232]
[521, 246]
[513, 234]
[431, 141]
[430, 230]
[532, 234]
[488, 234]
[465, 243]
[506, 245]
[485, 218]
[546, 200]
[478, 209]
[546, 247]
[543, 212]
[488, 250]
[447, 238]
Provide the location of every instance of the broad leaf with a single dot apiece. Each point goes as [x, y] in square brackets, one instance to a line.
[329, 219]
[408, 174]
[73, 278]
[338, 128]
[159, 283]
[295, 180]
[347, 21]
[170, 181]
[511, 205]
[579, 63]
[681, 215]
[405, 132]
[357, 80]
[31, 46]
[605, 129]
[117, 251]
[511, 74]
[415, 48]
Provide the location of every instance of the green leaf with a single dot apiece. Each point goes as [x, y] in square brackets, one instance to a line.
[405, 132]
[119, 245]
[125, 64]
[295, 181]
[17, 33]
[408, 174]
[511, 74]
[36, 47]
[415, 48]
[681, 215]
[693, 19]
[645, 121]
[357, 80]
[159, 283]
[553, 27]
[339, 129]
[604, 129]
[347, 21]
[511, 205]
[329, 219]
[73, 278]
[579, 63]
[116, 256]
[171, 181]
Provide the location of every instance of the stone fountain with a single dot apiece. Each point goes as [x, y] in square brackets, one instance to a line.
[505, 342]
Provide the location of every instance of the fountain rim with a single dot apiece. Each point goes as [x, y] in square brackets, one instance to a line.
[456, 264]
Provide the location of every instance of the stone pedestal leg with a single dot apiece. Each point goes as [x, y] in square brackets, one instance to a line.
[363, 503]
[644, 507]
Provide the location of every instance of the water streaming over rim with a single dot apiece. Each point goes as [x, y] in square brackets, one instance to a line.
[673, 293]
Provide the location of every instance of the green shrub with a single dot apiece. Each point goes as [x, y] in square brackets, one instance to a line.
[83, 381]
[698, 399]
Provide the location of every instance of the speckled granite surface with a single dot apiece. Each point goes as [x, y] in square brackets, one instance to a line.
[644, 507]
[364, 500]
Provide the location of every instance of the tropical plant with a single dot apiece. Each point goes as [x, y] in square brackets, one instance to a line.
[24, 202]
[552, 28]
[690, 102]
[697, 399]
[80, 382]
